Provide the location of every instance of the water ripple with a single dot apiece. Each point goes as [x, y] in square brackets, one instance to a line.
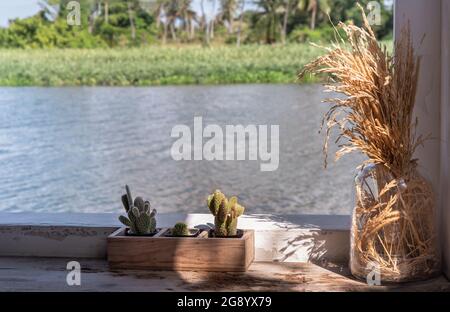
[73, 149]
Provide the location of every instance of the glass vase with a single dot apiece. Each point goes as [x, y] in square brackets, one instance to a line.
[393, 231]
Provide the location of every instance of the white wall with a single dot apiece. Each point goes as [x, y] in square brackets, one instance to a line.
[425, 18]
[430, 18]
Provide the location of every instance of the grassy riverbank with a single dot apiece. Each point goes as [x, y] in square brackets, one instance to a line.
[154, 66]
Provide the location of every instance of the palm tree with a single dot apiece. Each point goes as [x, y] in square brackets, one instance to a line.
[166, 13]
[106, 10]
[241, 20]
[286, 11]
[213, 19]
[158, 10]
[131, 18]
[192, 18]
[269, 17]
[94, 12]
[227, 13]
[187, 15]
[172, 13]
[314, 6]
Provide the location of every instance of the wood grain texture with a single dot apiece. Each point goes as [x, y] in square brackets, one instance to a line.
[49, 274]
[175, 253]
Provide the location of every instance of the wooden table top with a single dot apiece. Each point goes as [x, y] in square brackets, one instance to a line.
[49, 274]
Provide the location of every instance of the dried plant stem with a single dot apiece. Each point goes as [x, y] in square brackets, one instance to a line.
[393, 223]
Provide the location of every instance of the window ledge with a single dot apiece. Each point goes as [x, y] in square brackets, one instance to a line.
[282, 238]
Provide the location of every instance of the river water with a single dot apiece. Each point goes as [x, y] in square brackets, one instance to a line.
[74, 149]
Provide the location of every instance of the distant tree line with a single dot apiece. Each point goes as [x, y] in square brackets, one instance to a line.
[126, 23]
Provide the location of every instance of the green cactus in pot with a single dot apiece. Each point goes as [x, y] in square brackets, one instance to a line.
[226, 213]
[141, 219]
[180, 229]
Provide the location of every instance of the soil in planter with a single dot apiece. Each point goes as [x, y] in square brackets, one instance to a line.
[127, 233]
[239, 234]
[193, 233]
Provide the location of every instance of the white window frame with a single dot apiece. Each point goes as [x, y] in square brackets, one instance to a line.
[431, 18]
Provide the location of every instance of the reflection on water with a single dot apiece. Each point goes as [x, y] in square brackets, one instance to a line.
[73, 149]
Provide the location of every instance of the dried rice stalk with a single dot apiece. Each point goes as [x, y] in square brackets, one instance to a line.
[393, 222]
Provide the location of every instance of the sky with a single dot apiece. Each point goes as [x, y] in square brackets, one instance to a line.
[10, 9]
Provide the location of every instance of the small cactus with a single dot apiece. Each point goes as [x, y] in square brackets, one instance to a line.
[180, 229]
[226, 213]
[141, 220]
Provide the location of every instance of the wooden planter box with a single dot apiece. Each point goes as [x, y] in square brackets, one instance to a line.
[201, 253]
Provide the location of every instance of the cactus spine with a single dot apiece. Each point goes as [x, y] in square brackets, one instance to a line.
[180, 229]
[226, 213]
[141, 220]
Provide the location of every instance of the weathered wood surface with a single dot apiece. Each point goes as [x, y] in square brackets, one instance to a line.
[176, 253]
[49, 274]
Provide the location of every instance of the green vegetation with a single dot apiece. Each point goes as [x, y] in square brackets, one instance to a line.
[154, 65]
[226, 213]
[136, 23]
[180, 229]
[141, 220]
[131, 42]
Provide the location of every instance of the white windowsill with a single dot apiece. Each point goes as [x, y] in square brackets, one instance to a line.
[287, 238]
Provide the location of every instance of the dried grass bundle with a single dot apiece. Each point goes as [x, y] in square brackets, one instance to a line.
[393, 223]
